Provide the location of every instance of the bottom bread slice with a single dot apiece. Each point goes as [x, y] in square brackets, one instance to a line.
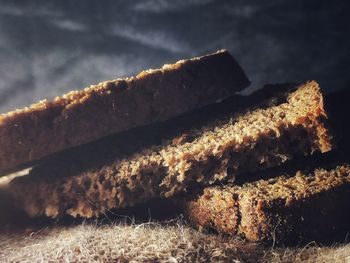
[284, 209]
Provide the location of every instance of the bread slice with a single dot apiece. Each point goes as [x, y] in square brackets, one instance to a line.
[113, 106]
[80, 185]
[283, 209]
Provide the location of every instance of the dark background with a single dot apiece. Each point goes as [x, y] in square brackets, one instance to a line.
[50, 47]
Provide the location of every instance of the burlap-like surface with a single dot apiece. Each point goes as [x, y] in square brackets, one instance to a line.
[149, 242]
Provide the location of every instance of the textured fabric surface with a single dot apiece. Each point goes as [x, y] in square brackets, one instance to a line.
[171, 242]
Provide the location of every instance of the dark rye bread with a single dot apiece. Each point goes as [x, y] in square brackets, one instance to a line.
[284, 209]
[220, 151]
[113, 106]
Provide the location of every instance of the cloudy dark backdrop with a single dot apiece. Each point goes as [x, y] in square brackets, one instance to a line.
[50, 47]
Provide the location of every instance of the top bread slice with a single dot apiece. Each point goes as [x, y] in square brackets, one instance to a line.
[82, 183]
[79, 117]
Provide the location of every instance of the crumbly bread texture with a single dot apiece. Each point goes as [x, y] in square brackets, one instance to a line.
[220, 151]
[113, 106]
[282, 209]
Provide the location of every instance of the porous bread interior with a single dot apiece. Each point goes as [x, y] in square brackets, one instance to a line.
[238, 204]
[219, 152]
[299, 186]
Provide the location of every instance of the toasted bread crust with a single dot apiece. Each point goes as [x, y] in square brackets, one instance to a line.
[283, 209]
[113, 106]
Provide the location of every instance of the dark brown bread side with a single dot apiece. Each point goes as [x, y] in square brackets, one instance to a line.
[79, 184]
[113, 106]
[285, 209]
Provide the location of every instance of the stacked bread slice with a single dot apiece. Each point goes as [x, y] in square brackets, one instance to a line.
[215, 157]
[79, 117]
[286, 208]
